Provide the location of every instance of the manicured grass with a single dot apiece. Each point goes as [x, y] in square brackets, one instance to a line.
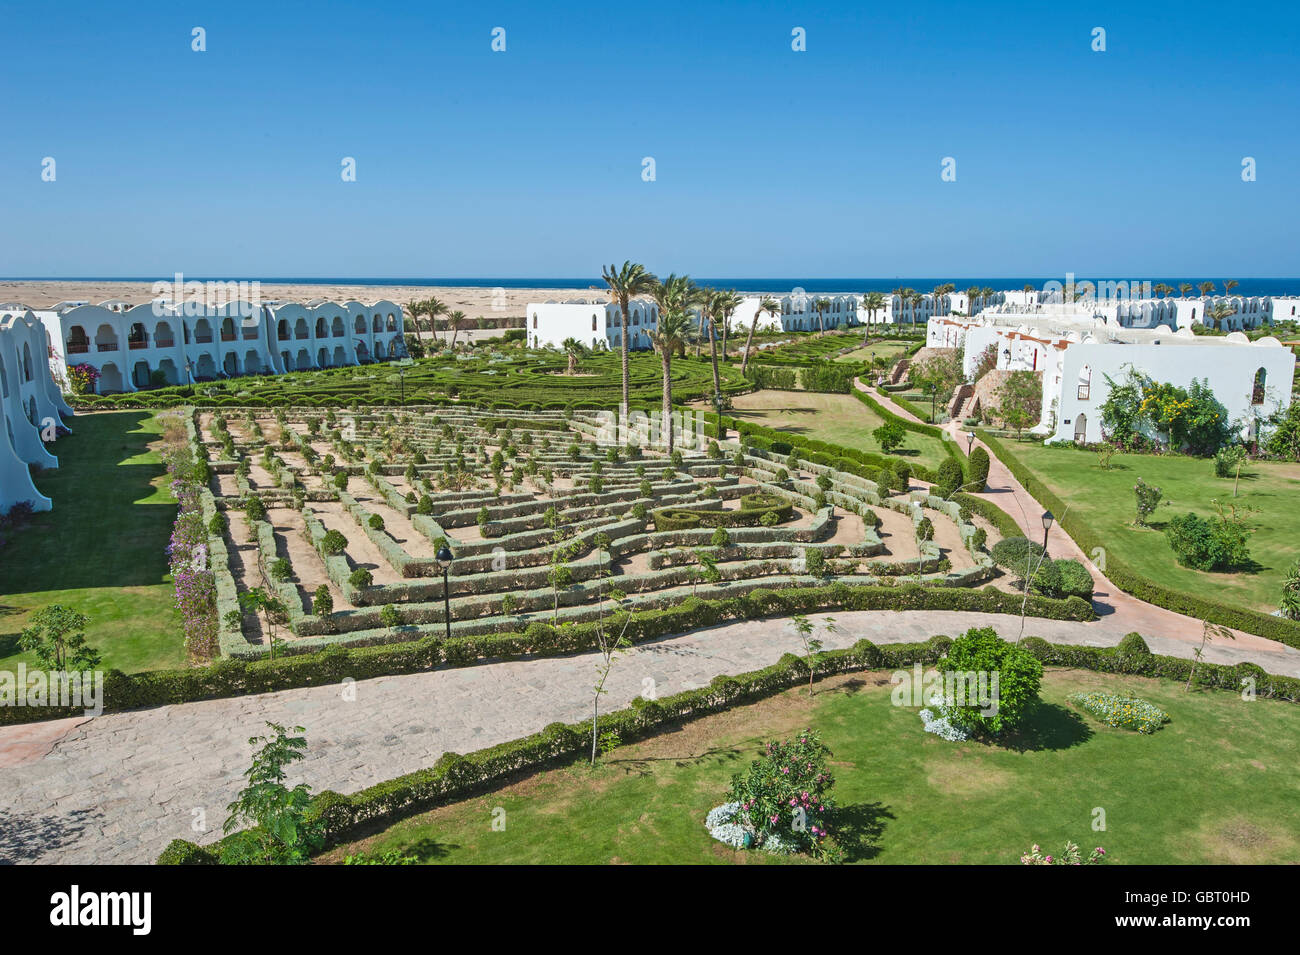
[1104, 499]
[837, 419]
[891, 349]
[1215, 785]
[102, 549]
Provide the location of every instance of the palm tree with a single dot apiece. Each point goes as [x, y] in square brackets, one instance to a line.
[433, 307]
[972, 293]
[1206, 288]
[915, 300]
[415, 309]
[1184, 288]
[728, 302]
[772, 307]
[624, 284]
[872, 302]
[986, 294]
[1218, 312]
[673, 296]
[820, 305]
[454, 319]
[1229, 285]
[1163, 290]
[575, 350]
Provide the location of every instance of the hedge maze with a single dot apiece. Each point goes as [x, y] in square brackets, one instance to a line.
[341, 515]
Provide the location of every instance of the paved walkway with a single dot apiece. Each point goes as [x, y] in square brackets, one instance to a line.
[119, 787]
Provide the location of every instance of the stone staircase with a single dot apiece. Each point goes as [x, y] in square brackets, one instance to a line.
[899, 371]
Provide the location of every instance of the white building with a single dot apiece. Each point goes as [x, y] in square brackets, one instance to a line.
[597, 323]
[180, 344]
[31, 406]
[1075, 353]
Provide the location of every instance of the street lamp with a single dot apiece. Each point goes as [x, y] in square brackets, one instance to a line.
[1047, 525]
[970, 442]
[445, 557]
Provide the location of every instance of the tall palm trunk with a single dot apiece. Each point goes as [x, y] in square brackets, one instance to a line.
[725, 325]
[866, 339]
[821, 323]
[744, 363]
[622, 348]
[666, 358]
[717, 382]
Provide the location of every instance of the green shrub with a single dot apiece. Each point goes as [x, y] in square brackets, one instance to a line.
[333, 543]
[1207, 545]
[950, 478]
[1075, 579]
[361, 578]
[322, 603]
[376, 522]
[979, 469]
[981, 650]
[1016, 554]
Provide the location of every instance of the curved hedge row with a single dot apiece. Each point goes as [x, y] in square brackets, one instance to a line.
[1130, 581]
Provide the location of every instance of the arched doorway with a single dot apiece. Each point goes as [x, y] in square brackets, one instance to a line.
[1081, 429]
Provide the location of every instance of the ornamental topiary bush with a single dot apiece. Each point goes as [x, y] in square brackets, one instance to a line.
[333, 543]
[950, 478]
[979, 469]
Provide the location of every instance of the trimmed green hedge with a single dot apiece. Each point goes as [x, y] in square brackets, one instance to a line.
[454, 777]
[1129, 580]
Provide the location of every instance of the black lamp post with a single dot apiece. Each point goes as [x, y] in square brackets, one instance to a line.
[1047, 525]
[934, 393]
[970, 442]
[717, 407]
[444, 558]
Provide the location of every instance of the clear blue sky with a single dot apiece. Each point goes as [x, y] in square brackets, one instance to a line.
[823, 163]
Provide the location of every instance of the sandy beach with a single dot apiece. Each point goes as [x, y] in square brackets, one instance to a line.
[474, 302]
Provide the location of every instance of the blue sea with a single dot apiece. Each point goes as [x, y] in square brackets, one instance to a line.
[824, 286]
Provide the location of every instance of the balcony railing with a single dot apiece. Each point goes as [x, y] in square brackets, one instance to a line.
[203, 339]
[163, 343]
[78, 348]
[250, 334]
[136, 346]
[227, 336]
[111, 346]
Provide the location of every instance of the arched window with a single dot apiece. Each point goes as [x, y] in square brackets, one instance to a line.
[78, 341]
[1257, 392]
[534, 319]
[1085, 383]
[593, 323]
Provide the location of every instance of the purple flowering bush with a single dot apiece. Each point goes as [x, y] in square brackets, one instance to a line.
[192, 581]
[785, 796]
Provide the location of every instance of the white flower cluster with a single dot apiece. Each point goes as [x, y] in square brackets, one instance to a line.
[937, 722]
[723, 825]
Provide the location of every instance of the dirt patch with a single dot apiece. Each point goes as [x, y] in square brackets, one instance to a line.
[1241, 841]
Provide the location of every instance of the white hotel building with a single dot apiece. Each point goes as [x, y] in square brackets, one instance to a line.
[31, 407]
[597, 323]
[1074, 352]
[182, 344]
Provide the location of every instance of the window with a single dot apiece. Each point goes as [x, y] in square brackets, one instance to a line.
[1257, 392]
[534, 319]
[593, 323]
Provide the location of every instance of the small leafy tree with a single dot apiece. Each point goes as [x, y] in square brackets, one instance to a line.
[1147, 500]
[1209, 633]
[281, 833]
[804, 629]
[56, 635]
[1020, 674]
[322, 603]
[1020, 400]
[890, 436]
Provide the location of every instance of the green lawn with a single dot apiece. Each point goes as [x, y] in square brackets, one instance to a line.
[1215, 785]
[1105, 500]
[837, 419]
[890, 349]
[102, 549]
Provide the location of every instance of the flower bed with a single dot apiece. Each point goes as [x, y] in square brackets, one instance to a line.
[1124, 712]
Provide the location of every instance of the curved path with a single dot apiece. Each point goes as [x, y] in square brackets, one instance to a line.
[119, 787]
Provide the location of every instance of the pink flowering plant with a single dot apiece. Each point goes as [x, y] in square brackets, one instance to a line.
[193, 582]
[785, 796]
[1070, 855]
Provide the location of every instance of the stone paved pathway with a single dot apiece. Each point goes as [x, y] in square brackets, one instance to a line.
[119, 787]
